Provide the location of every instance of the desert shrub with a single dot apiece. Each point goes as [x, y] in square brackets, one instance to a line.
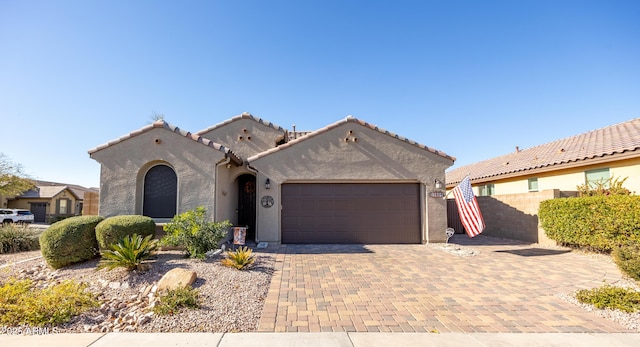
[599, 223]
[18, 238]
[627, 257]
[70, 241]
[23, 304]
[113, 229]
[171, 302]
[129, 253]
[614, 298]
[240, 259]
[611, 186]
[192, 230]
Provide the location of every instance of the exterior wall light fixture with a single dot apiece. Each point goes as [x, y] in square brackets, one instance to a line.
[267, 184]
[439, 184]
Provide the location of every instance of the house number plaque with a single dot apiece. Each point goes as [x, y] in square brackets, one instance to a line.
[266, 201]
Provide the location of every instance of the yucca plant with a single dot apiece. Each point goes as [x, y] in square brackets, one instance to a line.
[240, 258]
[129, 253]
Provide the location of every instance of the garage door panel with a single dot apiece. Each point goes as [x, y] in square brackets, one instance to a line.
[350, 213]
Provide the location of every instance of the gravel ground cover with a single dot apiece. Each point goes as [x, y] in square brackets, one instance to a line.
[230, 300]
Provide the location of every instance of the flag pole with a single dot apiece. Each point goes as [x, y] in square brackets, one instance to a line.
[449, 192]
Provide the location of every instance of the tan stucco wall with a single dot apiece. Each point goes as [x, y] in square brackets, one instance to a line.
[124, 164]
[245, 137]
[227, 193]
[24, 203]
[375, 157]
[569, 179]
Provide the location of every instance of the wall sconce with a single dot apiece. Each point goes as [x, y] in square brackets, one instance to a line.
[439, 184]
[267, 184]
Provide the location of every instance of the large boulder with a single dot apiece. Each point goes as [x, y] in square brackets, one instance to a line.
[175, 279]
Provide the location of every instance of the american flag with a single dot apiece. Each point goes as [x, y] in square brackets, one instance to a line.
[468, 209]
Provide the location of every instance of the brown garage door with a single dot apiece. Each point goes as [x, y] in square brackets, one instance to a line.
[350, 213]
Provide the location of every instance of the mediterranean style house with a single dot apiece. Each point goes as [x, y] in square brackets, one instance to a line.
[349, 182]
[511, 187]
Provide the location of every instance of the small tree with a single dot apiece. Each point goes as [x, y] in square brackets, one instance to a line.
[610, 186]
[195, 232]
[12, 180]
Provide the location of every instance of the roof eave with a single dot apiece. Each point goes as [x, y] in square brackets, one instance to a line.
[349, 119]
[552, 167]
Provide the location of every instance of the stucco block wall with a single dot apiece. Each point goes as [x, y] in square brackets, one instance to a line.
[367, 156]
[515, 216]
[245, 137]
[124, 164]
[91, 202]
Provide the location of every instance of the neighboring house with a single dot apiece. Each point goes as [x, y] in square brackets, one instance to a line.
[349, 182]
[515, 183]
[612, 151]
[50, 201]
[47, 203]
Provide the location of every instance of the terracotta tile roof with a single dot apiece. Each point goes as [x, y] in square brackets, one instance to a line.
[244, 115]
[167, 126]
[344, 121]
[45, 192]
[608, 141]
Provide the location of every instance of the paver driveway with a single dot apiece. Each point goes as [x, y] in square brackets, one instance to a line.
[507, 287]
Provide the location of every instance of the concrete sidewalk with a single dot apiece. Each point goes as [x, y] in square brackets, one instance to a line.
[346, 339]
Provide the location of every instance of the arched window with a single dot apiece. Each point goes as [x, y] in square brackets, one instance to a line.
[160, 192]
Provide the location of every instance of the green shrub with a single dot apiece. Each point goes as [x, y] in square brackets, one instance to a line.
[23, 304]
[627, 257]
[239, 259]
[70, 241]
[192, 230]
[113, 229]
[171, 302]
[614, 298]
[18, 238]
[598, 223]
[56, 219]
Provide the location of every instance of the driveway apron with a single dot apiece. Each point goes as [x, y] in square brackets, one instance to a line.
[506, 286]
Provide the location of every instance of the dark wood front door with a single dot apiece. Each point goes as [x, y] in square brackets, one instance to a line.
[247, 204]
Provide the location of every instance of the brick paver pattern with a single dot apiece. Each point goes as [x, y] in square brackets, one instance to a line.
[507, 287]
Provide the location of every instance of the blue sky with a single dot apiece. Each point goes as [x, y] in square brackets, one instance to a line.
[471, 78]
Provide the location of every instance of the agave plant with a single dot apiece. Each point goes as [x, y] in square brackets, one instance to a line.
[129, 253]
[240, 258]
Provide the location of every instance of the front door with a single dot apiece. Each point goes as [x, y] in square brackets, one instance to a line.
[247, 204]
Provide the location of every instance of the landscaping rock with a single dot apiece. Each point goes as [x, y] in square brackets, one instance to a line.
[176, 278]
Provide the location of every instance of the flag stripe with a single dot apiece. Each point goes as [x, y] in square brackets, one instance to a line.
[468, 208]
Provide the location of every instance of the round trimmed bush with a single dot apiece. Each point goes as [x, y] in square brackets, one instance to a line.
[70, 241]
[113, 229]
[627, 257]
